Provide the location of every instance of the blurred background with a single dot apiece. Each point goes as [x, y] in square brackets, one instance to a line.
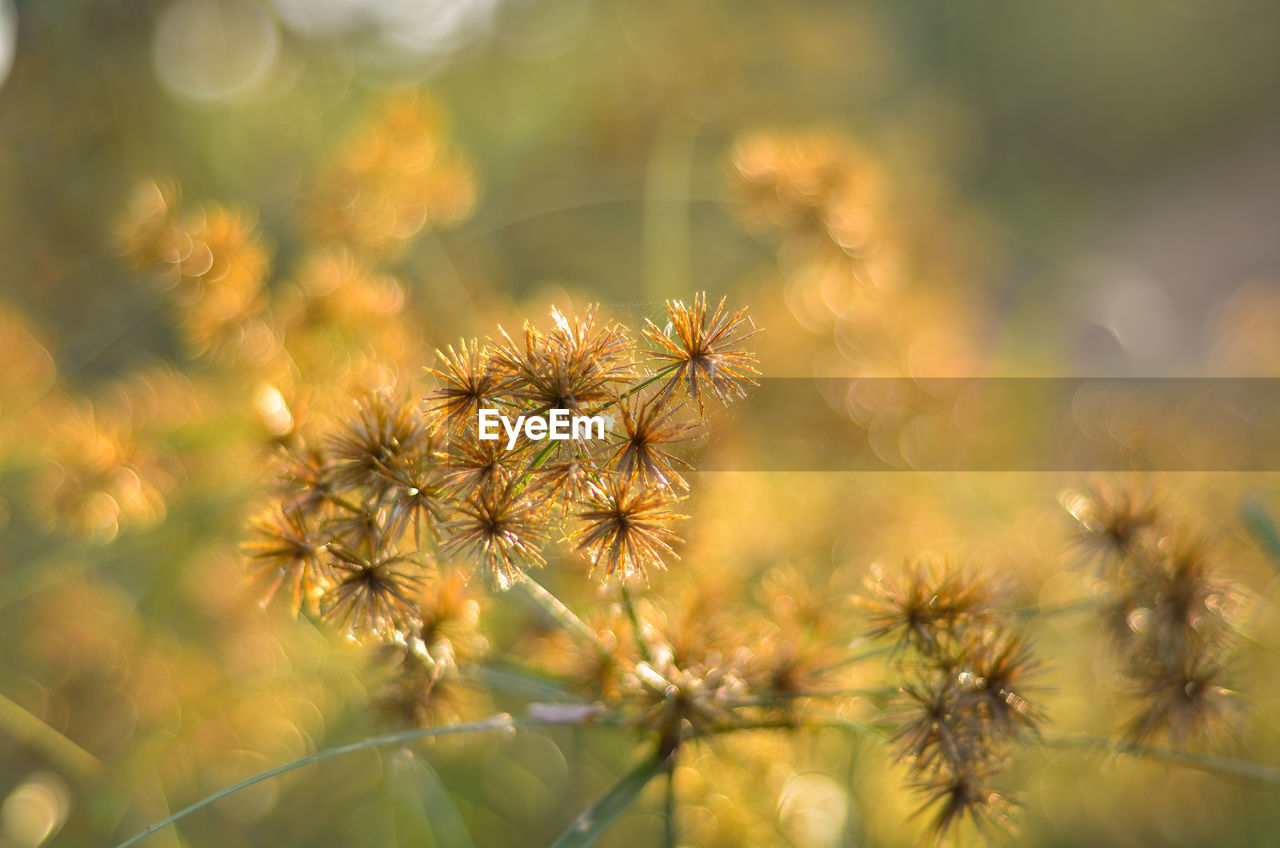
[218, 217]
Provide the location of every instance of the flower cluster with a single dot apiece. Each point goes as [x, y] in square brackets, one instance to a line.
[374, 515]
[1169, 616]
[967, 673]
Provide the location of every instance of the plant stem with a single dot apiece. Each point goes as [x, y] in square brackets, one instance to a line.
[669, 805]
[1214, 763]
[648, 381]
[520, 482]
[343, 503]
[501, 721]
[642, 644]
[825, 722]
[564, 616]
[1063, 608]
[882, 650]
[43, 737]
[1263, 530]
[605, 810]
[766, 700]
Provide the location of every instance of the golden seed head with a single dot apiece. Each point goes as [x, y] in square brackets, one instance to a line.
[374, 590]
[705, 354]
[648, 429]
[289, 554]
[466, 385]
[500, 532]
[626, 527]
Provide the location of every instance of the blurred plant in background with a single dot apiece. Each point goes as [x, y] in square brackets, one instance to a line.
[241, 238]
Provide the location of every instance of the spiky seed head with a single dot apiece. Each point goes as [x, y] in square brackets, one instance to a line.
[626, 527]
[704, 353]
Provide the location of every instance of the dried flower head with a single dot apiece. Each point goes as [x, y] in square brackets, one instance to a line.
[99, 474]
[289, 554]
[1112, 519]
[648, 429]
[1182, 700]
[966, 701]
[499, 531]
[473, 464]
[627, 528]
[419, 497]
[358, 526]
[923, 602]
[448, 618]
[675, 701]
[1167, 614]
[568, 369]
[374, 589]
[955, 798]
[824, 197]
[383, 432]
[419, 690]
[466, 385]
[998, 680]
[605, 346]
[396, 178]
[566, 480]
[1187, 604]
[931, 726]
[704, 355]
[305, 481]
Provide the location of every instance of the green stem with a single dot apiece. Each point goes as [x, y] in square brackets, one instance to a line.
[642, 644]
[523, 680]
[669, 804]
[502, 721]
[523, 480]
[558, 611]
[880, 651]
[643, 384]
[1085, 604]
[1063, 608]
[44, 738]
[342, 503]
[1213, 763]
[766, 700]
[1263, 530]
[824, 722]
[605, 810]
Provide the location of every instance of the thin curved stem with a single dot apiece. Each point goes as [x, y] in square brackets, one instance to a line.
[809, 722]
[637, 629]
[866, 692]
[879, 651]
[27, 727]
[1214, 763]
[558, 611]
[501, 721]
[643, 384]
[1063, 608]
[669, 804]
